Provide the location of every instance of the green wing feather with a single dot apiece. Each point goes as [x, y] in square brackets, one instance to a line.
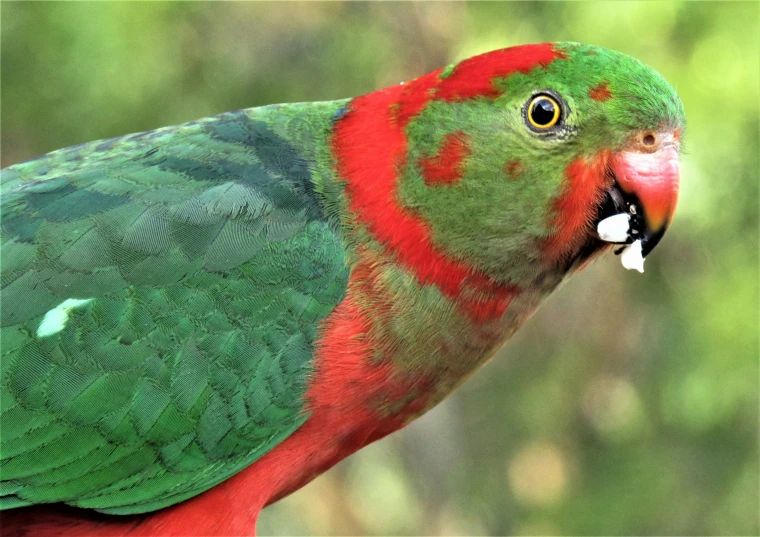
[160, 299]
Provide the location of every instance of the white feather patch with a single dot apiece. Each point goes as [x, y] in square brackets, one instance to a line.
[55, 320]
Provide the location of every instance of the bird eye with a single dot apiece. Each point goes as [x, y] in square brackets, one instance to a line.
[543, 112]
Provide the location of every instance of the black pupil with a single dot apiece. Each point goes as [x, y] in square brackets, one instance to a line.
[542, 112]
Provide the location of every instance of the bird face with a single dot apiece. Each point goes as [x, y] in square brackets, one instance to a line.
[562, 150]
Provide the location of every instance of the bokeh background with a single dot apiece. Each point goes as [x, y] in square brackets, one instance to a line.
[629, 403]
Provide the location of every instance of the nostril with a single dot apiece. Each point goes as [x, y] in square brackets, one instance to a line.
[648, 139]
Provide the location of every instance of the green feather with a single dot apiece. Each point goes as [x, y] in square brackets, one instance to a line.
[185, 246]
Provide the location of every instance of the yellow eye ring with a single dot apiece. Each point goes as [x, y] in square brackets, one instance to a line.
[543, 112]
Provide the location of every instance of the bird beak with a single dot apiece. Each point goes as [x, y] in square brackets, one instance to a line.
[647, 173]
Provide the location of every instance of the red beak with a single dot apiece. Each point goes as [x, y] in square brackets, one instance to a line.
[649, 172]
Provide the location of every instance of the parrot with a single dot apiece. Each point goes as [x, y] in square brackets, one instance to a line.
[200, 319]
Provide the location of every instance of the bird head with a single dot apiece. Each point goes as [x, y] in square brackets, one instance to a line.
[518, 163]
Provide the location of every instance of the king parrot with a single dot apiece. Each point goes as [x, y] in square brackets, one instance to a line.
[200, 319]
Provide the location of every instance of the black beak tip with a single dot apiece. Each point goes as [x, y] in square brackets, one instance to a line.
[650, 240]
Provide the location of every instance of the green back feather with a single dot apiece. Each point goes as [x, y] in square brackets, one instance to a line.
[203, 262]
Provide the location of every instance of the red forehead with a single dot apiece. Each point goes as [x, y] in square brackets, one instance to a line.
[473, 77]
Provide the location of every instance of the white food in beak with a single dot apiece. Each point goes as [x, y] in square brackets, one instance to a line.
[632, 258]
[614, 228]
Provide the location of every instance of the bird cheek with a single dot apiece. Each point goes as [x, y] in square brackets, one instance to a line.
[446, 167]
[514, 169]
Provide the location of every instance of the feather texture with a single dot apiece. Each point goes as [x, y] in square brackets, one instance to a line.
[161, 294]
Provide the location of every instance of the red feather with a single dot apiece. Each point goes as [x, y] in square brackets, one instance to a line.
[370, 148]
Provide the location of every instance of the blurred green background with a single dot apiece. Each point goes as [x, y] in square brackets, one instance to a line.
[629, 403]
